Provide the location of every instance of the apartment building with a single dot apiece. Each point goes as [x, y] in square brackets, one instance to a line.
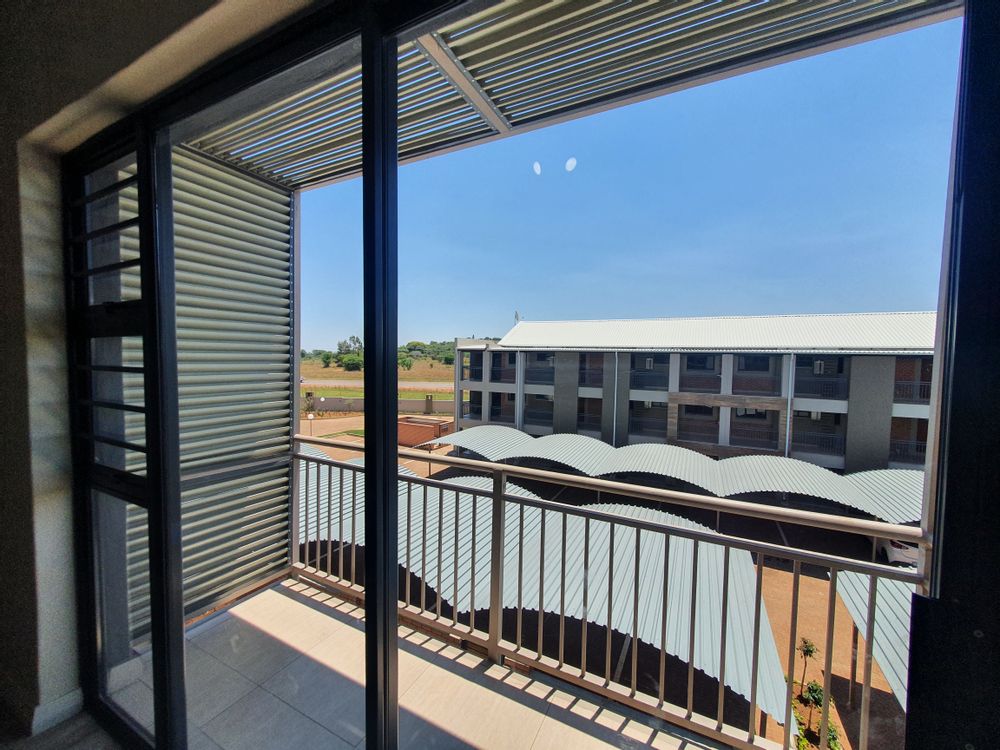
[845, 391]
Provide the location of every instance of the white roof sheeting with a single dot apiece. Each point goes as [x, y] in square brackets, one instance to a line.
[854, 333]
[893, 495]
[891, 646]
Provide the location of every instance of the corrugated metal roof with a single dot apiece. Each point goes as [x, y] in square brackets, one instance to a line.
[893, 495]
[436, 510]
[861, 333]
[891, 647]
[519, 65]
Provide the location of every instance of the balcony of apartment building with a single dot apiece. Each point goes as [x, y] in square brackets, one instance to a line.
[647, 421]
[540, 368]
[701, 373]
[503, 367]
[819, 433]
[649, 372]
[757, 375]
[821, 377]
[913, 380]
[754, 428]
[588, 416]
[591, 370]
[472, 366]
[473, 408]
[502, 408]
[698, 424]
[908, 441]
[538, 409]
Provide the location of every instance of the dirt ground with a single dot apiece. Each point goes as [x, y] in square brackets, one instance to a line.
[886, 718]
[422, 370]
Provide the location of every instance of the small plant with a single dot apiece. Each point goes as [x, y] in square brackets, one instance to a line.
[833, 737]
[808, 650]
[801, 743]
[813, 698]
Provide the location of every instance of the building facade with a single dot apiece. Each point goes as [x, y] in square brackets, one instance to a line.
[847, 392]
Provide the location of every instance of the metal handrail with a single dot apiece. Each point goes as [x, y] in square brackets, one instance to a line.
[907, 391]
[878, 529]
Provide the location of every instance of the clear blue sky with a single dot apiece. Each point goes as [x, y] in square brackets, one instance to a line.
[815, 186]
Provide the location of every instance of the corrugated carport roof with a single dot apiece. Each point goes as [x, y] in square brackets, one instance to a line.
[893, 495]
[521, 65]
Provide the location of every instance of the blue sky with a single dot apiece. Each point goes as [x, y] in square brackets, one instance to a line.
[814, 186]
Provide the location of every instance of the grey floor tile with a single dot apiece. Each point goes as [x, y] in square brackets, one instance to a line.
[251, 651]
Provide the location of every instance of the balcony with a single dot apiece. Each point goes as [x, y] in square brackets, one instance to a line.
[472, 411]
[908, 451]
[592, 377]
[503, 374]
[753, 436]
[591, 422]
[539, 375]
[538, 417]
[700, 382]
[648, 426]
[626, 595]
[698, 430]
[908, 392]
[504, 416]
[650, 380]
[827, 443]
[472, 372]
[756, 384]
[819, 386]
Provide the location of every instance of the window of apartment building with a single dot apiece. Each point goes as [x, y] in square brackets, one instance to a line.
[754, 363]
[701, 362]
[697, 411]
[751, 413]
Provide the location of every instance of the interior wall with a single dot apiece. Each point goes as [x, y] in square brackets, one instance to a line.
[68, 71]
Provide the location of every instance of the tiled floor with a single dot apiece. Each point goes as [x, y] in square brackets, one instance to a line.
[285, 669]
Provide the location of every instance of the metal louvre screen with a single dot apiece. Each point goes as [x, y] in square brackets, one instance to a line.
[233, 260]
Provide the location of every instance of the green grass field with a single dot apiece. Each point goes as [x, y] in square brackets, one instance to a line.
[332, 391]
[354, 433]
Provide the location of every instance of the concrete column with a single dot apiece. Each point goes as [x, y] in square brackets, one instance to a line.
[673, 414]
[519, 392]
[869, 412]
[621, 397]
[727, 375]
[608, 396]
[458, 390]
[787, 376]
[566, 389]
[674, 374]
[725, 419]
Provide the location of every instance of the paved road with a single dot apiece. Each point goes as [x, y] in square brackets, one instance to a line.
[419, 385]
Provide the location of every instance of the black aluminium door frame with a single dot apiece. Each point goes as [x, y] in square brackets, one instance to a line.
[146, 132]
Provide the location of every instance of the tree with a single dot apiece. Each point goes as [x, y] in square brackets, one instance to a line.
[808, 650]
[302, 354]
[352, 362]
[327, 358]
[406, 363]
[448, 359]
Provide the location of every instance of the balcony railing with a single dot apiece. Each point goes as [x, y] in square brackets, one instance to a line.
[650, 380]
[756, 384]
[592, 376]
[700, 382]
[699, 431]
[818, 386]
[829, 443]
[908, 451]
[588, 421]
[539, 375]
[542, 417]
[747, 436]
[503, 374]
[908, 392]
[501, 415]
[472, 411]
[650, 426]
[478, 568]
[473, 372]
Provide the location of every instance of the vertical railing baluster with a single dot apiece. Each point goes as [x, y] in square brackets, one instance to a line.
[541, 586]
[520, 574]
[340, 529]
[409, 538]
[866, 681]
[796, 573]
[723, 639]
[354, 525]
[472, 567]
[586, 596]
[692, 628]
[831, 613]
[328, 504]
[454, 605]
[316, 556]
[439, 576]
[611, 579]
[562, 592]
[661, 691]
[635, 613]
[755, 656]
[423, 554]
[498, 543]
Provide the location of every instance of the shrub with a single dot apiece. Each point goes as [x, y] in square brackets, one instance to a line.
[327, 358]
[406, 363]
[352, 362]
